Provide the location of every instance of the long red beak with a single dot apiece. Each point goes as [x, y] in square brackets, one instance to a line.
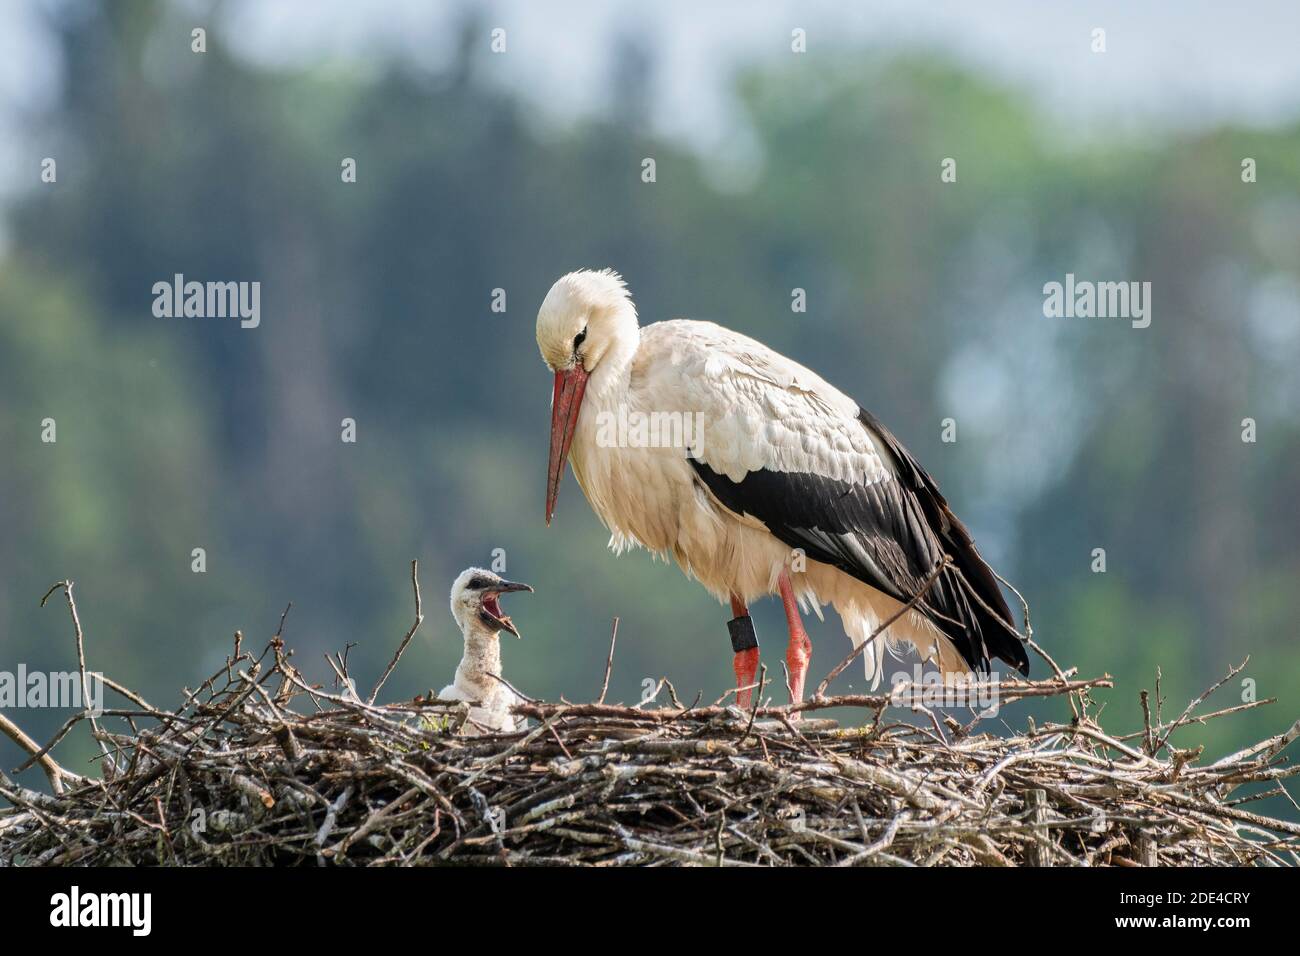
[565, 404]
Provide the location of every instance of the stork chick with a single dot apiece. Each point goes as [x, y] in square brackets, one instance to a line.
[475, 604]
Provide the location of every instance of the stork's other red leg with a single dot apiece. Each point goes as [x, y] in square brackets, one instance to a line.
[799, 650]
[744, 643]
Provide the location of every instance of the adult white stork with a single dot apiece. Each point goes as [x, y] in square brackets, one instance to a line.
[782, 470]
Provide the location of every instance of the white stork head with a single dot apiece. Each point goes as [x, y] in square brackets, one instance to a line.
[587, 323]
[475, 602]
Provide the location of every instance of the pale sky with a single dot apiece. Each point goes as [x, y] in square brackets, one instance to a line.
[1168, 62]
[1179, 60]
[1182, 61]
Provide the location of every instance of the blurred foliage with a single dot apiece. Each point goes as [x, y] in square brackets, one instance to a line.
[925, 302]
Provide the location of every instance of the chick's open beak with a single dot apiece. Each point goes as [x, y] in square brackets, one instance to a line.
[491, 608]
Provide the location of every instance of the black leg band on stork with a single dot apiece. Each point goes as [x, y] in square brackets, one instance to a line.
[743, 636]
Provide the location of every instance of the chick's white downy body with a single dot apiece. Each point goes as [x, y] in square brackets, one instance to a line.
[478, 678]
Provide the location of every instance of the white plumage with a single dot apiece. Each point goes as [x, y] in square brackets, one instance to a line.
[780, 459]
[474, 604]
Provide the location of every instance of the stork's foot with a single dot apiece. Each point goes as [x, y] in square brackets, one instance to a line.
[799, 650]
[797, 655]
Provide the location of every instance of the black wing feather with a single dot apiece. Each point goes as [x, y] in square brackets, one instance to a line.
[890, 535]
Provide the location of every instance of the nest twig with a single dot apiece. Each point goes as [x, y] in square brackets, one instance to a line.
[259, 767]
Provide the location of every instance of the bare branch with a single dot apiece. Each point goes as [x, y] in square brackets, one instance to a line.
[55, 773]
[401, 648]
[609, 662]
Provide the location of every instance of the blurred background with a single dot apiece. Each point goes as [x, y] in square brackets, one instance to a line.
[775, 170]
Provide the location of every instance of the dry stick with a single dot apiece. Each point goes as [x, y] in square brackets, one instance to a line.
[1079, 710]
[1148, 739]
[1233, 672]
[52, 769]
[1027, 638]
[108, 765]
[20, 796]
[340, 669]
[279, 631]
[1268, 749]
[1011, 693]
[609, 663]
[1204, 718]
[128, 694]
[512, 688]
[62, 732]
[1145, 847]
[758, 699]
[945, 562]
[1040, 853]
[419, 618]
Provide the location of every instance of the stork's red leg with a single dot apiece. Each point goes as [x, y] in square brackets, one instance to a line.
[744, 643]
[799, 650]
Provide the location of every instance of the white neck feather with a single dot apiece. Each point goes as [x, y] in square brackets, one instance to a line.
[609, 380]
[480, 665]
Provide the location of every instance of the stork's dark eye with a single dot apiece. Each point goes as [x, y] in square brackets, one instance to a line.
[477, 584]
[579, 339]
